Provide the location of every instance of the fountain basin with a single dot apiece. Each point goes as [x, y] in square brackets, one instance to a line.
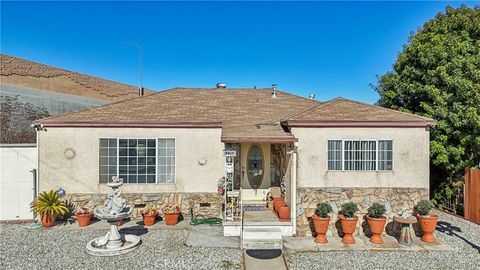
[129, 242]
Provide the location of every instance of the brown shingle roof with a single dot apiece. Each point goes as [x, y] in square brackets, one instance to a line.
[345, 110]
[31, 74]
[242, 113]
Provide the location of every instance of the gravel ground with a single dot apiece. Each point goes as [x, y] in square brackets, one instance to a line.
[465, 239]
[22, 248]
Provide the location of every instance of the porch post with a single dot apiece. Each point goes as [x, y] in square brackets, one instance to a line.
[293, 189]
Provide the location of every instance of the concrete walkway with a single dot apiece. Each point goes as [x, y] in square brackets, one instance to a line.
[211, 236]
[251, 263]
[305, 244]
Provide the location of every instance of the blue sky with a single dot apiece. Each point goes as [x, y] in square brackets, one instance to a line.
[327, 48]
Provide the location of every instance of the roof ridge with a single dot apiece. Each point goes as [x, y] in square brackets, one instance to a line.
[321, 105]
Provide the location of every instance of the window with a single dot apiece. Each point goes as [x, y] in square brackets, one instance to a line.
[360, 155]
[136, 160]
[166, 161]
[108, 159]
[335, 155]
[385, 155]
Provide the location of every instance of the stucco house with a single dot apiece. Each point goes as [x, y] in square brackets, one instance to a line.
[175, 145]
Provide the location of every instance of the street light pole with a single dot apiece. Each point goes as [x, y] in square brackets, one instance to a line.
[140, 58]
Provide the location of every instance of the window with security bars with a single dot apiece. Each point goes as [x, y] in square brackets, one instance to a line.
[360, 155]
[335, 155]
[137, 160]
[385, 155]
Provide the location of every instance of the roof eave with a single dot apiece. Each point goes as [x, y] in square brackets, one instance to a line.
[258, 139]
[132, 125]
[322, 123]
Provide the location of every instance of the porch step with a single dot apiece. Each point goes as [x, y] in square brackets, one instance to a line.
[262, 238]
[254, 205]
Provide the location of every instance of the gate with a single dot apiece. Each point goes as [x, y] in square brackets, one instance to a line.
[472, 194]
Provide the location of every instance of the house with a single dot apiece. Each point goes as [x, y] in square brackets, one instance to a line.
[175, 145]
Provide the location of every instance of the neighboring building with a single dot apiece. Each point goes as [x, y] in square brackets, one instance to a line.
[58, 90]
[169, 147]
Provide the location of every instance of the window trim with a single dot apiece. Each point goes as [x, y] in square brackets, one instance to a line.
[156, 157]
[376, 157]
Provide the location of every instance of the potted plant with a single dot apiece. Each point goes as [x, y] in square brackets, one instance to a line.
[48, 205]
[376, 222]
[283, 211]
[83, 216]
[149, 215]
[428, 222]
[348, 221]
[321, 219]
[171, 213]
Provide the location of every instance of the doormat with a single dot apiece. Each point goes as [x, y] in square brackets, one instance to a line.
[264, 254]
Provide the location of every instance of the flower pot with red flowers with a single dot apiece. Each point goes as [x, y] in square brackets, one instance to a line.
[428, 222]
[48, 205]
[171, 213]
[376, 222]
[149, 215]
[348, 221]
[321, 220]
[84, 216]
[284, 212]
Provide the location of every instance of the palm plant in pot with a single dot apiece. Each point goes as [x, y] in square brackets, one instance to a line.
[428, 222]
[48, 205]
[321, 220]
[171, 212]
[376, 222]
[348, 220]
[83, 215]
[149, 215]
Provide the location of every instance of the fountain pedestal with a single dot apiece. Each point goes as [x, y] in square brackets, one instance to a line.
[114, 210]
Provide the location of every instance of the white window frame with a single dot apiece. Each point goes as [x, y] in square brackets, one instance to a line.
[156, 157]
[376, 155]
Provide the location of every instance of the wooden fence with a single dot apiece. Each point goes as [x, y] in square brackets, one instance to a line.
[472, 194]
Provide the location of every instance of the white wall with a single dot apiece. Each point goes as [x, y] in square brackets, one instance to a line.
[80, 174]
[410, 158]
[16, 181]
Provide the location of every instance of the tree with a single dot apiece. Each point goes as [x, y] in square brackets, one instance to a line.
[16, 118]
[437, 75]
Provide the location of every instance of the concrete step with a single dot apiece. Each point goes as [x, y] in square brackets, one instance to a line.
[254, 205]
[262, 238]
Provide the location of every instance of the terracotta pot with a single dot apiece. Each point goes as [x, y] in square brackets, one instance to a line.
[149, 220]
[220, 191]
[377, 226]
[428, 224]
[47, 220]
[284, 212]
[277, 201]
[348, 227]
[170, 219]
[83, 219]
[321, 228]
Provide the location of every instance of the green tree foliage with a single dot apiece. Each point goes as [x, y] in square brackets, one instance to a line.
[437, 75]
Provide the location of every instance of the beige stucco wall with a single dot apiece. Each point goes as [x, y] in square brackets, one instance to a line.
[80, 174]
[410, 158]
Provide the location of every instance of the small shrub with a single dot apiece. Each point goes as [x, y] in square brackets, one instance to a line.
[323, 209]
[424, 207]
[349, 209]
[49, 203]
[377, 210]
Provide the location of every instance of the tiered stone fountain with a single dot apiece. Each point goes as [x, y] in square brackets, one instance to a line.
[114, 211]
